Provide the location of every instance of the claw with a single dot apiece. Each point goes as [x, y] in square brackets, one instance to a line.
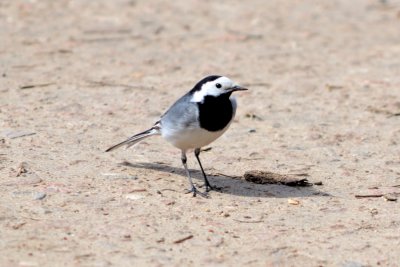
[214, 188]
[210, 187]
[195, 192]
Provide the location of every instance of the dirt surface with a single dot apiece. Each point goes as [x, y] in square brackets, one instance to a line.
[79, 76]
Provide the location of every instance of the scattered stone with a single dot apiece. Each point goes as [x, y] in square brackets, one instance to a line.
[169, 202]
[374, 212]
[293, 201]
[253, 116]
[133, 196]
[333, 87]
[318, 183]
[390, 197]
[18, 225]
[252, 130]
[22, 168]
[39, 196]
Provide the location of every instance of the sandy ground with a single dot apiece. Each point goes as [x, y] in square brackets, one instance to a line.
[79, 76]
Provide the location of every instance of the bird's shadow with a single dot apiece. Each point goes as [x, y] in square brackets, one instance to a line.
[234, 185]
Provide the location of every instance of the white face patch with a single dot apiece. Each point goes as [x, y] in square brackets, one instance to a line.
[213, 88]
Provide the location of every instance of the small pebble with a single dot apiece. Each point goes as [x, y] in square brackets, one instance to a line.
[252, 130]
[374, 212]
[39, 196]
[169, 203]
[133, 196]
[389, 197]
[293, 201]
[253, 116]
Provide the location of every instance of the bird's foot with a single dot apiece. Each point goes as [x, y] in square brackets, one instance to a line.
[213, 188]
[210, 187]
[195, 192]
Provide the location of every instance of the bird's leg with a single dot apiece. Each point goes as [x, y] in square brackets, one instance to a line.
[192, 189]
[207, 184]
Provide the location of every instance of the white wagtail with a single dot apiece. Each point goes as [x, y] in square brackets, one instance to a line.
[195, 120]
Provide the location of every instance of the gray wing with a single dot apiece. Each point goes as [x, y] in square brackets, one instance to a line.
[182, 114]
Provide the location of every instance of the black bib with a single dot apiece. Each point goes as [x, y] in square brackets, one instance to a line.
[215, 112]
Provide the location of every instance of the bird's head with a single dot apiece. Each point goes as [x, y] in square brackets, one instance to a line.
[214, 85]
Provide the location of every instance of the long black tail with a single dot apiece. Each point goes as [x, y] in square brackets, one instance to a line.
[155, 130]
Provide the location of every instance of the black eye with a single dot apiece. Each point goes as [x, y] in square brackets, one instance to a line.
[218, 85]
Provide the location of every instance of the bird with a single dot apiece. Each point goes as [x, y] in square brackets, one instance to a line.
[195, 120]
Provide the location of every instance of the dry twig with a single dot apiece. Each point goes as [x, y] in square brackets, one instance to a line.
[183, 239]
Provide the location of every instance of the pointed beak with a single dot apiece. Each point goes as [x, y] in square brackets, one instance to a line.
[237, 88]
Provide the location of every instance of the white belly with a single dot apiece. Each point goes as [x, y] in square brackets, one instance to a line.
[191, 138]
